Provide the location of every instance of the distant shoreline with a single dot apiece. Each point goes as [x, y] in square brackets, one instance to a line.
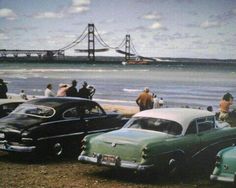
[117, 60]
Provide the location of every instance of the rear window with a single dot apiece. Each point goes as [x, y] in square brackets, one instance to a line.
[154, 124]
[35, 111]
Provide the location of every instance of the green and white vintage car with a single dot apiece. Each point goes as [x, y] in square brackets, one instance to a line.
[159, 138]
[225, 167]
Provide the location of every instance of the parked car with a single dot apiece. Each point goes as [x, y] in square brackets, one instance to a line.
[54, 125]
[225, 166]
[8, 105]
[164, 139]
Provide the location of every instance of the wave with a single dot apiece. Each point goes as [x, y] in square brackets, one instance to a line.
[132, 90]
[115, 101]
[70, 70]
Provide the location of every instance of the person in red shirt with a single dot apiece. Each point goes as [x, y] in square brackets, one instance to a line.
[144, 100]
[225, 103]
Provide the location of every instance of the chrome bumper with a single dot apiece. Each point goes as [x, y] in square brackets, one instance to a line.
[120, 163]
[230, 179]
[4, 146]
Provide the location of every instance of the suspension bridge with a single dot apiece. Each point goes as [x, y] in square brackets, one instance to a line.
[93, 37]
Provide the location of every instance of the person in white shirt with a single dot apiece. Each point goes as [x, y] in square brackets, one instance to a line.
[23, 95]
[161, 102]
[155, 101]
[48, 91]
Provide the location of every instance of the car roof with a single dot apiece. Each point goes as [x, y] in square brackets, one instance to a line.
[57, 101]
[183, 116]
[8, 101]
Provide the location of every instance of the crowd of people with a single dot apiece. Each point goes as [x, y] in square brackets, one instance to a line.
[145, 100]
[66, 90]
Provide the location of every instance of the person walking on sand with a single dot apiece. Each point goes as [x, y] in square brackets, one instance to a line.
[144, 100]
[3, 89]
[72, 91]
[225, 103]
[48, 91]
[62, 90]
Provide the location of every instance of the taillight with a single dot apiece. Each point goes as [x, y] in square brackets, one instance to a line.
[144, 153]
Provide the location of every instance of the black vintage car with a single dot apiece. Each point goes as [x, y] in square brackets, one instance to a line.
[54, 125]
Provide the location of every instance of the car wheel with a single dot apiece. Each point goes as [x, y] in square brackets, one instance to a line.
[57, 149]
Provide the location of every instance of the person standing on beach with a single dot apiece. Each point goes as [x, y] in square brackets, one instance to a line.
[23, 95]
[144, 100]
[48, 91]
[155, 101]
[62, 90]
[72, 91]
[3, 89]
[161, 102]
[225, 103]
[84, 92]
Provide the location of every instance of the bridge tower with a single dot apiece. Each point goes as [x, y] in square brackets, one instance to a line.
[127, 47]
[91, 43]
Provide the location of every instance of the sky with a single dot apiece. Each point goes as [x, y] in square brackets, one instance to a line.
[158, 28]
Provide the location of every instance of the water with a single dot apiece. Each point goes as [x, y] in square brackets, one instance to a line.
[179, 85]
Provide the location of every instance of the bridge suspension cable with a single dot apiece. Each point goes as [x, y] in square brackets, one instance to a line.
[76, 41]
[103, 43]
[133, 48]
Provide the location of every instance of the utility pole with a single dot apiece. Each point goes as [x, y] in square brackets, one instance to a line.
[91, 43]
[127, 47]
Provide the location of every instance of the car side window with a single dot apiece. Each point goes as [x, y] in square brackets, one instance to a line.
[205, 124]
[70, 113]
[95, 110]
[192, 128]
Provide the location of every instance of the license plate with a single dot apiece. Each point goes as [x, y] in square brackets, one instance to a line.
[109, 159]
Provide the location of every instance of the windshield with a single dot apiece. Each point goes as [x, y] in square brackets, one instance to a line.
[154, 124]
[35, 111]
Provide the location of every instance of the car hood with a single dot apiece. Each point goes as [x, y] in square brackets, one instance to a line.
[18, 123]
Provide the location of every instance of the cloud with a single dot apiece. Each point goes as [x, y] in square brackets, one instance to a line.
[156, 26]
[7, 13]
[80, 2]
[3, 36]
[79, 6]
[48, 15]
[210, 24]
[151, 16]
[175, 36]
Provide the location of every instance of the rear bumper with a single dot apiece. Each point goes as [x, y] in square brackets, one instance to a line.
[230, 178]
[118, 163]
[4, 146]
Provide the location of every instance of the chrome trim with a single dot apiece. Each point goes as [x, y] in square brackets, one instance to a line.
[60, 136]
[11, 148]
[215, 143]
[222, 178]
[103, 130]
[59, 121]
[121, 164]
[27, 139]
